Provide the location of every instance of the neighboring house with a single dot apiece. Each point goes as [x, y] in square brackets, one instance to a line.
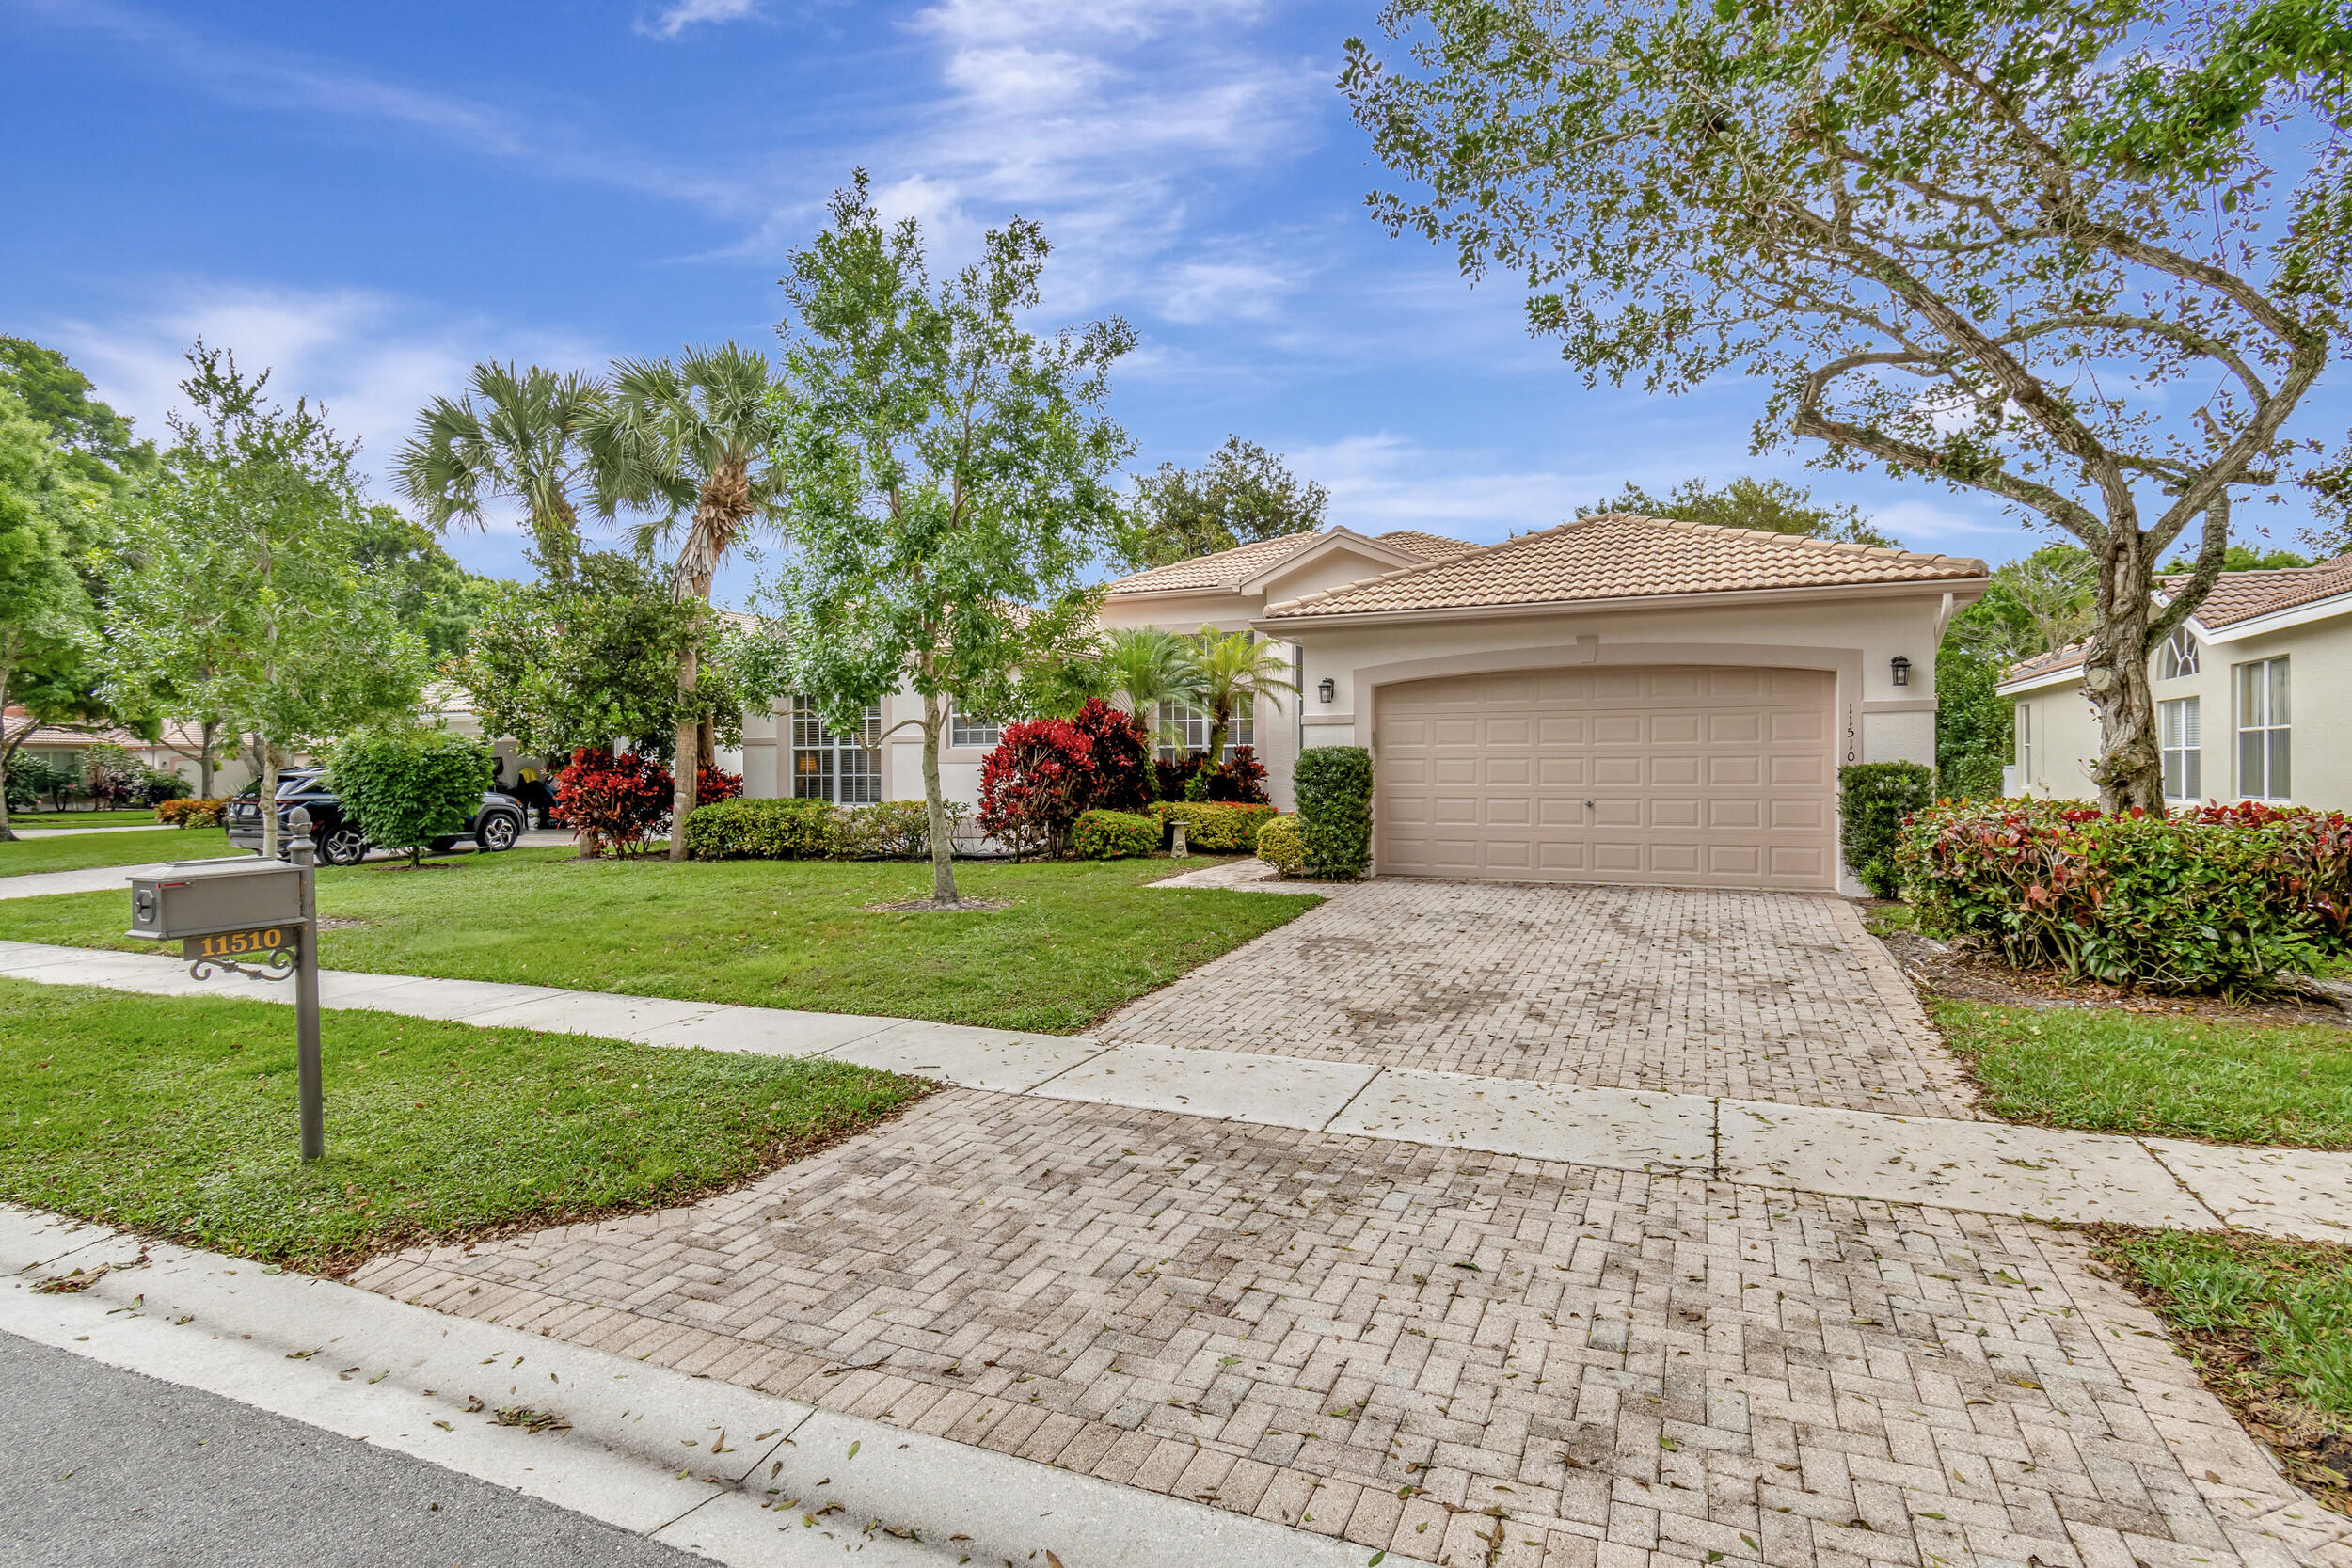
[1618, 699]
[172, 751]
[2228, 688]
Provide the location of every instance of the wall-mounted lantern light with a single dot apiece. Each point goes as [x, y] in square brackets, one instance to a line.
[1902, 671]
[1326, 688]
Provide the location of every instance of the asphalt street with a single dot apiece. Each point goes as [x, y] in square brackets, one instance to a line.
[99, 1466]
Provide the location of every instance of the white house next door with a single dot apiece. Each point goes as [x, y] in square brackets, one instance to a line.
[1678, 775]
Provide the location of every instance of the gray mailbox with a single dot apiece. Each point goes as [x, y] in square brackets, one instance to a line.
[198, 898]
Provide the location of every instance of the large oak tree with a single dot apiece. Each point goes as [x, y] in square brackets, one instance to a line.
[2084, 256]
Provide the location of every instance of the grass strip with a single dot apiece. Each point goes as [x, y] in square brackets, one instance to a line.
[83, 850]
[1076, 939]
[2106, 1070]
[176, 1117]
[2268, 1323]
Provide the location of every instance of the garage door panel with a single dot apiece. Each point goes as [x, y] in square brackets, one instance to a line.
[1696, 775]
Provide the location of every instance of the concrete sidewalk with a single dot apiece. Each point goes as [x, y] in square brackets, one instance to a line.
[1977, 1167]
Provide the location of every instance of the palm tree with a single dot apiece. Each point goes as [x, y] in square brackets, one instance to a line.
[515, 435]
[692, 439]
[1230, 671]
[1146, 666]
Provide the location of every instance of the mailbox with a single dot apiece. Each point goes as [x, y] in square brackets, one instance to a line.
[195, 898]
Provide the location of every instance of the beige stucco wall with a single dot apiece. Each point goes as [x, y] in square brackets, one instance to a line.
[1854, 636]
[2319, 655]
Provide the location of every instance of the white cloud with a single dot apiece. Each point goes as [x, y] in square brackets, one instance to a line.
[685, 13]
[1384, 480]
[372, 360]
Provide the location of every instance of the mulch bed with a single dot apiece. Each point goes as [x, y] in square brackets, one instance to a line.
[1965, 972]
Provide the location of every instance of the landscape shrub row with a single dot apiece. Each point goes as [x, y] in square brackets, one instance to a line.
[1212, 827]
[1873, 800]
[2221, 898]
[738, 828]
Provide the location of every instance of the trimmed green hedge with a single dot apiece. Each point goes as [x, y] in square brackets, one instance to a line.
[1281, 845]
[1109, 835]
[1334, 787]
[741, 829]
[1214, 827]
[1873, 799]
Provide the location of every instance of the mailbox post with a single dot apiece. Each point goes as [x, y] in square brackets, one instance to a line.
[265, 912]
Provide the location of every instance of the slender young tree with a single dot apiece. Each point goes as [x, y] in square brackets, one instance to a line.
[2084, 257]
[694, 440]
[953, 477]
[235, 583]
[513, 436]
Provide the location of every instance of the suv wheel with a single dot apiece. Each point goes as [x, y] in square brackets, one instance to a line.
[498, 830]
[344, 845]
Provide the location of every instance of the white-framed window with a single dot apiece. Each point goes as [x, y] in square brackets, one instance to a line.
[2265, 748]
[835, 767]
[1185, 728]
[965, 730]
[2177, 733]
[2024, 746]
[2179, 656]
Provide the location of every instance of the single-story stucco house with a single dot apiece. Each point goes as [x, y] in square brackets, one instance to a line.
[2228, 685]
[1618, 699]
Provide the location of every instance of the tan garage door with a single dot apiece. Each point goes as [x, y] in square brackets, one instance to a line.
[1694, 776]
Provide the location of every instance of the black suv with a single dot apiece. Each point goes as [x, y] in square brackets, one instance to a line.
[496, 826]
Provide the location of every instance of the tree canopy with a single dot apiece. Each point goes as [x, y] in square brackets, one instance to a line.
[1770, 505]
[238, 591]
[95, 441]
[45, 631]
[1243, 494]
[2082, 256]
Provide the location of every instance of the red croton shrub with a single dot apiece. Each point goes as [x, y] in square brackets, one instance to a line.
[712, 786]
[2216, 898]
[613, 805]
[1046, 773]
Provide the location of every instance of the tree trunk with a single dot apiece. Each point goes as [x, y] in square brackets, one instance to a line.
[204, 734]
[683, 765]
[2130, 769]
[7, 748]
[934, 810]
[269, 800]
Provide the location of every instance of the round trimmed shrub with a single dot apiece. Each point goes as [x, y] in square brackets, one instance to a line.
[405, 787]
[1334, 788]
[1281, 845]
[1109, 835]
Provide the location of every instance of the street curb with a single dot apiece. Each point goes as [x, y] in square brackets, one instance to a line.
[729, 1473]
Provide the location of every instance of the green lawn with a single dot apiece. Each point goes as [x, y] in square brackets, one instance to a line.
[140, 817]
[2269, 1324]
[1079, 939]
[176, 1117]
[2108, 1071]
[88, 849]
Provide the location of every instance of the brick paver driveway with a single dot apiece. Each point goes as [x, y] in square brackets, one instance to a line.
[1460, 1358]
[1762, 995]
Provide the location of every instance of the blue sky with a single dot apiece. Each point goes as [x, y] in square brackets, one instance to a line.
[371, 197]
